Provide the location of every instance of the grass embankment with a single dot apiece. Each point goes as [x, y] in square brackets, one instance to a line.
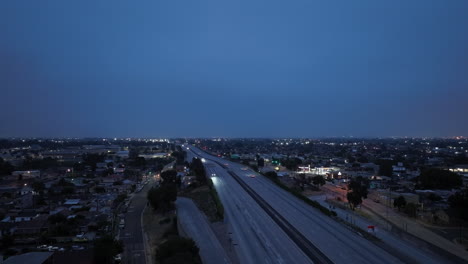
[300, 196]
[207, 200]
[165, 243]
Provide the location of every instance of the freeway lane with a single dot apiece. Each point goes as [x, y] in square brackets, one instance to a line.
[196, 226]
[337, 242]
[325, 233]
[255, 236]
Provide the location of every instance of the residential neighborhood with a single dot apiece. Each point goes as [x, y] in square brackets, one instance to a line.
[61, 196]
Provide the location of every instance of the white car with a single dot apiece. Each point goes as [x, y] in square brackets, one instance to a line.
[42, 247]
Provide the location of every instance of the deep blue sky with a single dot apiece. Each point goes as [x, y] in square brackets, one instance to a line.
[233, 68]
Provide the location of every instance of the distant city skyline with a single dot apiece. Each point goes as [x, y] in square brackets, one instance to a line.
[264, 69]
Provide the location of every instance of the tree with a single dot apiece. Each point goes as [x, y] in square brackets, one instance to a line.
[120, 198]
[5, 167]
[153, 198]
[411, 209]
[99, 189]
[178, 250]
[351, 159]
[6, 241]
[63, 182]
[362, 159]
[254, 167]
[260, 162]
[198, 169]
[38, 186]
[385, 167]
[459, 201]
[90, 159]
[179, 156]
[139, 162]
[163, 197]
[271, 174]
[399, 202]
[133, 153]
[169, 177]
[318, 180]
[301, 180]
[57, 218]
[358, 191]
[434, 197]
[354, 199]
[105, 249]
[68, 190]
[439, 179]
[32, 164]
[291, 163]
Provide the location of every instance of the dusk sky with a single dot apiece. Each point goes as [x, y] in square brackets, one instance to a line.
[233, 68]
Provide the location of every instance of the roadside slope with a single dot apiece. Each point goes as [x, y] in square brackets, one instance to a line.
[195, 225]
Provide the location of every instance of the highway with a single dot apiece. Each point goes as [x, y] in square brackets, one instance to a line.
[334, 240]
[255, 237]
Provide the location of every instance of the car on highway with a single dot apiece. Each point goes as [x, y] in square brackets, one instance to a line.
[244, 168]
[52, 248]
[251, 175]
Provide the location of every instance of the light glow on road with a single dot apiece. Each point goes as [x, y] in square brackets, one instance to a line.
[214, 180]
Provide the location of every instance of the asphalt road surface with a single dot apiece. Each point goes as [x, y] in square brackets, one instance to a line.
[196, 226]
[412, 251]
[132, 233]
[336, 241]
[255, 237]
